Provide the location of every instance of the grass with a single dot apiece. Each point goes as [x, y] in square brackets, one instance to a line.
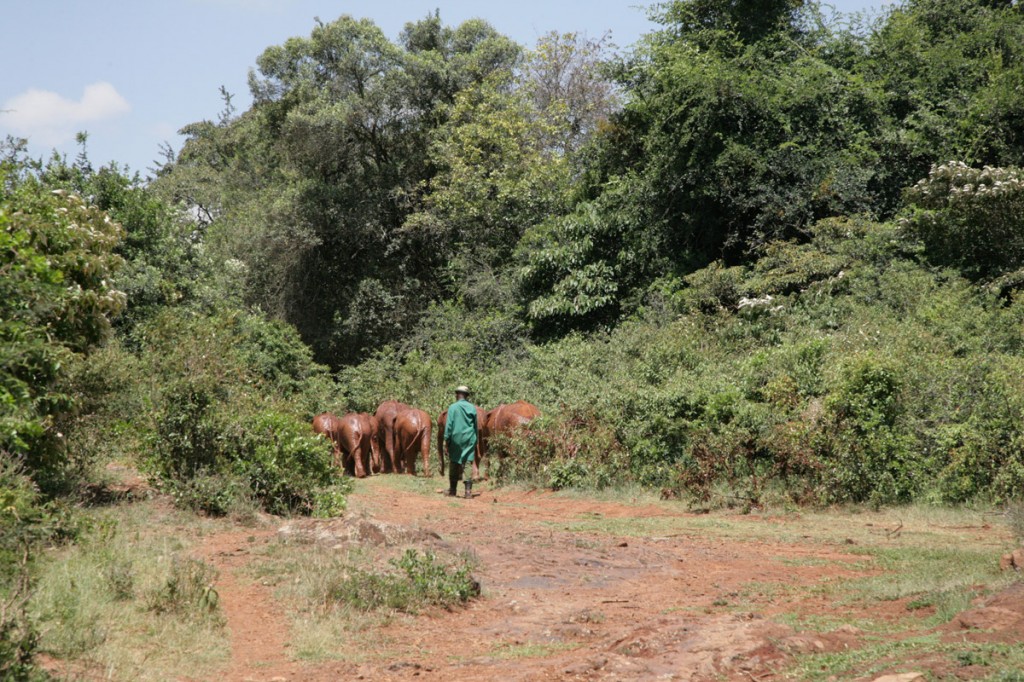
[945, 578]
[918, 525]
[127, 601]
[881, 653]
[934, 560]
[340, 600]
[510, 651]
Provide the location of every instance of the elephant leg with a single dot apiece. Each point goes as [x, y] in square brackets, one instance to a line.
[358, 463]
[393, 458]
[425, 450]
[481, 454]
[376, 454]
[441, 454]
[409, 459]
[376, 464]
[391, 448]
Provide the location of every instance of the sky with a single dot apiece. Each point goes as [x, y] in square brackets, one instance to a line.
[131, 73]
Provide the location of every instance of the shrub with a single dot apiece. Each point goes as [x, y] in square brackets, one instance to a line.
[971, 218]
[187, 590]
[869, 455]
[415, 581]
[225, 427]
[26, 523]
[575, 449]
[56, 298]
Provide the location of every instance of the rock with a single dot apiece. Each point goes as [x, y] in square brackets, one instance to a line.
[338, 533]
[901, 677]
[802, 644]
[988, 618]
[848, 630]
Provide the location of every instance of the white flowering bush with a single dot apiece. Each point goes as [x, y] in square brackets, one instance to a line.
[971, 218]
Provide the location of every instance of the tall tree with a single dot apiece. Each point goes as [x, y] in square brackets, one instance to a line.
[744, 127]
[308, 189]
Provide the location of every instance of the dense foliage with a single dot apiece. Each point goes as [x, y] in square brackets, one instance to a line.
[718, 259]
[122, 341]
[766, 255]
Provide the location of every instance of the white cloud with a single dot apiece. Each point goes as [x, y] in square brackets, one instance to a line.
[48, 118]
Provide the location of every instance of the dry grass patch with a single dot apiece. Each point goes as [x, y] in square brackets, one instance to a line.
[127, 602]
[340, 598]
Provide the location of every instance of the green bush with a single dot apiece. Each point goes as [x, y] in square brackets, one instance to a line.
[971, 218]
[56, 297]
[228, 423]
[22, 521]
[416, 581]
[571, 450]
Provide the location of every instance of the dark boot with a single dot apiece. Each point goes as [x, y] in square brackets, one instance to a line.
[454, 473]
[469, 490]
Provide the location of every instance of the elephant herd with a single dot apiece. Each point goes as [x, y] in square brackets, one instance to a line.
[389, 440]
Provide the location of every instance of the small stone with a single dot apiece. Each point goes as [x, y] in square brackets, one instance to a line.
[623, 544]
[848, 630]
[803, 644]
[901, 677]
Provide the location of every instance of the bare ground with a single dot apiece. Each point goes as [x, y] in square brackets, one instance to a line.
[560, 604]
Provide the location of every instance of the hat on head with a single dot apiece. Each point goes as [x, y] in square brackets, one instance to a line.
[464, 390]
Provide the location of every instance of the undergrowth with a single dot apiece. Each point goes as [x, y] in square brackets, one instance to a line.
[413, 582]
[127, 599]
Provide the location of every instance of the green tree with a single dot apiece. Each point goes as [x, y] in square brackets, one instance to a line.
[310, 188]
[496, 176]
[970, 218]
[57, 296]
[745, 127]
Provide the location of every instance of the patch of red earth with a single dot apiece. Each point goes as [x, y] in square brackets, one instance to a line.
[257, 625]
[560, 605]
[568, 605]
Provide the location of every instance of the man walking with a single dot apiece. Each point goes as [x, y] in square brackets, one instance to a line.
[460, 432]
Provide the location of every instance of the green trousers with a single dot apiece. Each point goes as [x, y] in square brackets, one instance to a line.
[457, 471]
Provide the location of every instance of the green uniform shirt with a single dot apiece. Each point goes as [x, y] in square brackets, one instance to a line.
[460, 432]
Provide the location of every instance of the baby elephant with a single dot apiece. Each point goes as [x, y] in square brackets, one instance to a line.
[412, 437]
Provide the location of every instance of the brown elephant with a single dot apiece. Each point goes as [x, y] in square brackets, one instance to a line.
[481, 429]
[357, 440]
[412, 437]
[328, 424]
[386, 413]
[505, 420]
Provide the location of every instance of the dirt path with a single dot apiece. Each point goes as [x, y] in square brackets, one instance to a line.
[557, 604]
[257, 625]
